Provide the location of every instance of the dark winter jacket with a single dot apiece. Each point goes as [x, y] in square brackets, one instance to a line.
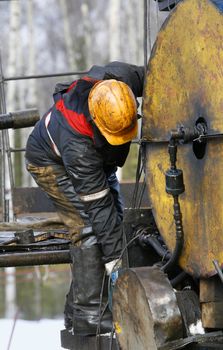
[69, 137]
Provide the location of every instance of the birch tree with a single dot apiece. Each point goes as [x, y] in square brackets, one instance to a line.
[67, 35]
[87, 35]
[13, 51]
[132, 31]
[114, 40]
[114, 30]
[140, 31]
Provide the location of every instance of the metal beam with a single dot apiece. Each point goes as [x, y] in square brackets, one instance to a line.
[35, 258]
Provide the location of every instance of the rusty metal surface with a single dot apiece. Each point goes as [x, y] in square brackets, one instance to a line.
[184, 83]
[19, 119]
[185, 74]
[145, 311]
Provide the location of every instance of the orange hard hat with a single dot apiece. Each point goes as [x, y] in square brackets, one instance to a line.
[113, 108]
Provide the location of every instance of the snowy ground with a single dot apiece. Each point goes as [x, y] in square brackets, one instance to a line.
[35, 335]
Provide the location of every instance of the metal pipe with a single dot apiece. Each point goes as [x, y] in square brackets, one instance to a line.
[152, 241]
[5, 153]
[37, 76]
[3, 167]
[19, 119]
[13, 150]
[35, 258]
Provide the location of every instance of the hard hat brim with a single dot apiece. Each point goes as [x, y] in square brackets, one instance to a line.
[119, 138]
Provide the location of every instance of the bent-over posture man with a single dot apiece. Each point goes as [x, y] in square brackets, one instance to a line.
[73, 154]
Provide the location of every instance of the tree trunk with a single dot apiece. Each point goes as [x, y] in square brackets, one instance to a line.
[114, 30]
[67, 35]
[114, 40]
[87, 35]
[132, 31]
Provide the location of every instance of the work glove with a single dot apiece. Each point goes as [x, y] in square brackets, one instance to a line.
[113, 269]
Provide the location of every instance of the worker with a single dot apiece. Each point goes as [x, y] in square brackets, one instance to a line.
[73, 153]
[219, 4]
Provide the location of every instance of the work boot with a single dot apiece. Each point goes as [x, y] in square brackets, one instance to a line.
[85, 237]
[68, 309]
[88, 275]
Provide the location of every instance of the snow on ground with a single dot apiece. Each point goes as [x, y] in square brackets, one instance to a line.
[35, 335]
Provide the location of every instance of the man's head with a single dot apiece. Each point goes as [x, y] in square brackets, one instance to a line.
[113, 108]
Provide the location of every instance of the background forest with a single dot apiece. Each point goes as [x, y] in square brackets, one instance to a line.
[47, 37]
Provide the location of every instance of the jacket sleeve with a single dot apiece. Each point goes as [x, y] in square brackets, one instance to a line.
[130, 74]
[85, 168]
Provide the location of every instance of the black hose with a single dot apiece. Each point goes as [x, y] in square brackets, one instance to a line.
[178, 279]
[111, 338]
[151, 240]
[179, 237]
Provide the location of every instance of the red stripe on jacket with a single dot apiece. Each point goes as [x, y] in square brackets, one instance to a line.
[72, 86]
[77, 121]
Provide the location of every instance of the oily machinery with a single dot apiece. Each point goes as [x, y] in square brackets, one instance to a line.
[169, 293]
[177, 302]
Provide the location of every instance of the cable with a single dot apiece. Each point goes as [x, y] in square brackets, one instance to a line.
[100, 303]
[13, 328]
[139, 171]
[137, 179]
[143, 187]
[101, 313]
[121, 255]
[111, 338]
[102, 290]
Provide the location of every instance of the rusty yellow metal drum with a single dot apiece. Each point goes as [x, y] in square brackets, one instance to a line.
[184, 84]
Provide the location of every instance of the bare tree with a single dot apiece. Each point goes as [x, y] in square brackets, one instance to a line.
[67, 35]
[13, 51]
[132, 31]
[87, 34]
[114, 30]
